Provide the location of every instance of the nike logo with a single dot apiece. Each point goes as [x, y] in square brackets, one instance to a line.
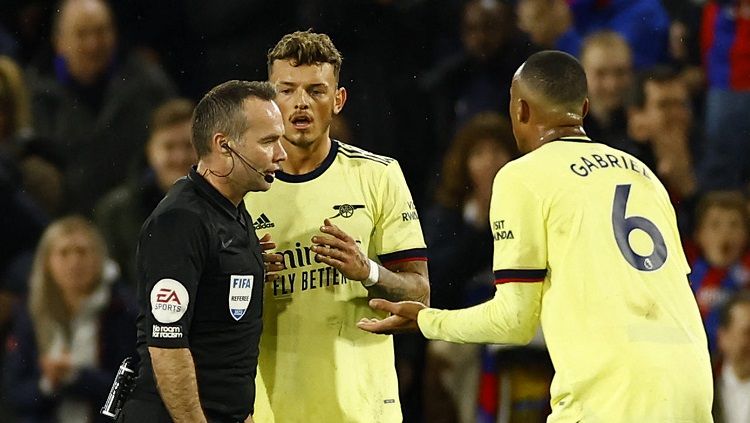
[225, 244]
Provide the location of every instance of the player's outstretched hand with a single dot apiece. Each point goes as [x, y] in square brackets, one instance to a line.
[337, 249]
[273, 262]
[403, 317]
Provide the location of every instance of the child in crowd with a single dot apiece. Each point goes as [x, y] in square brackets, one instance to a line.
[722, 266]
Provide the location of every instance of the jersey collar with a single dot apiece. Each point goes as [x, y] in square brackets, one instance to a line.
[327, 162]
[216, 197]
[578, 138]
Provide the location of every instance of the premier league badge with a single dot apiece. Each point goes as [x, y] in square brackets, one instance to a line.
[240, 292]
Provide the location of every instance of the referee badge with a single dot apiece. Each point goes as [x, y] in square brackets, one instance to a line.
[240, 292]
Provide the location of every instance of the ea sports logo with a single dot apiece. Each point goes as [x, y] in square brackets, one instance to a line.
[166, 296]
[169, 301]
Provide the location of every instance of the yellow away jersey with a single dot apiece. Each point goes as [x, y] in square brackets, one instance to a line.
[315, 365]
[586, 242]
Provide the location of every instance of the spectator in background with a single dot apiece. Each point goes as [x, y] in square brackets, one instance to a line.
[458, 233]
[562, 24]
[477, 79]
[35, 160]
[22, 213]
[544, 21]
[92, 101]
[731, 403]
[15, 114]
[722, 267]
[684, 45]
[169, 153]
[457, 225]
[662, 134]
[726, 56]
[21, 219]
[608, 62]
[71, 336]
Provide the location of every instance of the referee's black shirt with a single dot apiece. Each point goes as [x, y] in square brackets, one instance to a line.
[200, 287]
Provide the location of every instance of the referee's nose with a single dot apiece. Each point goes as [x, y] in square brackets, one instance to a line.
[279, 153]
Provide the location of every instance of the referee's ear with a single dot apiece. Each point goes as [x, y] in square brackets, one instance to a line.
[219, 144]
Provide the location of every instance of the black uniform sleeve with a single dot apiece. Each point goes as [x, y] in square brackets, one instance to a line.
[173, 250]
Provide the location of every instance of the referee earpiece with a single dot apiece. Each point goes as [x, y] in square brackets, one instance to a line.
[225, 147]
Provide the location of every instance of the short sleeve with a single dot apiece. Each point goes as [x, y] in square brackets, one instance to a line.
[172, 253]
[398, 235]
[517, 220]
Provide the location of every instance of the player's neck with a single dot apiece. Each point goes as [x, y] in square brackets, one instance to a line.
[560, 131]
[223, 184]
[302, 159]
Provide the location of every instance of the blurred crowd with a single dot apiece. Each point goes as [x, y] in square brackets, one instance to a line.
[95, 107]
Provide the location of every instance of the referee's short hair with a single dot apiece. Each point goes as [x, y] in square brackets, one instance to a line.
[220, 110]
[556, 76]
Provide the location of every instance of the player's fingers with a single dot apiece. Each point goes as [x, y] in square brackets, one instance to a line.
[338, 264]
[330, 252]
[334, 230]
[265, 238]
[274, 267]
[329, 241]
[273, 258]
[374, 326]
[265, 246]
[385, 305]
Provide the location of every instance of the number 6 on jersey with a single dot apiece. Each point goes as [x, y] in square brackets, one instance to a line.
[623, 226]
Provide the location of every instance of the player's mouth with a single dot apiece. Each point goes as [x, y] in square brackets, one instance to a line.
[301, 122]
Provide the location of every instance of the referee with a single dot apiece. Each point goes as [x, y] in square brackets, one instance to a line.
[201, 270]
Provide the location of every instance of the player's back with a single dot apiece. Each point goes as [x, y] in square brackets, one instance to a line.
[619, 318]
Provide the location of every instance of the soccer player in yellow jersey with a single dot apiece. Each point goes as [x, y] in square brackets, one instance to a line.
[346, 230]
[585, 243]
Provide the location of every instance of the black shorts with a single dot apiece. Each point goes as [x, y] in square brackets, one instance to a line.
[140, 411]
[144, 411]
